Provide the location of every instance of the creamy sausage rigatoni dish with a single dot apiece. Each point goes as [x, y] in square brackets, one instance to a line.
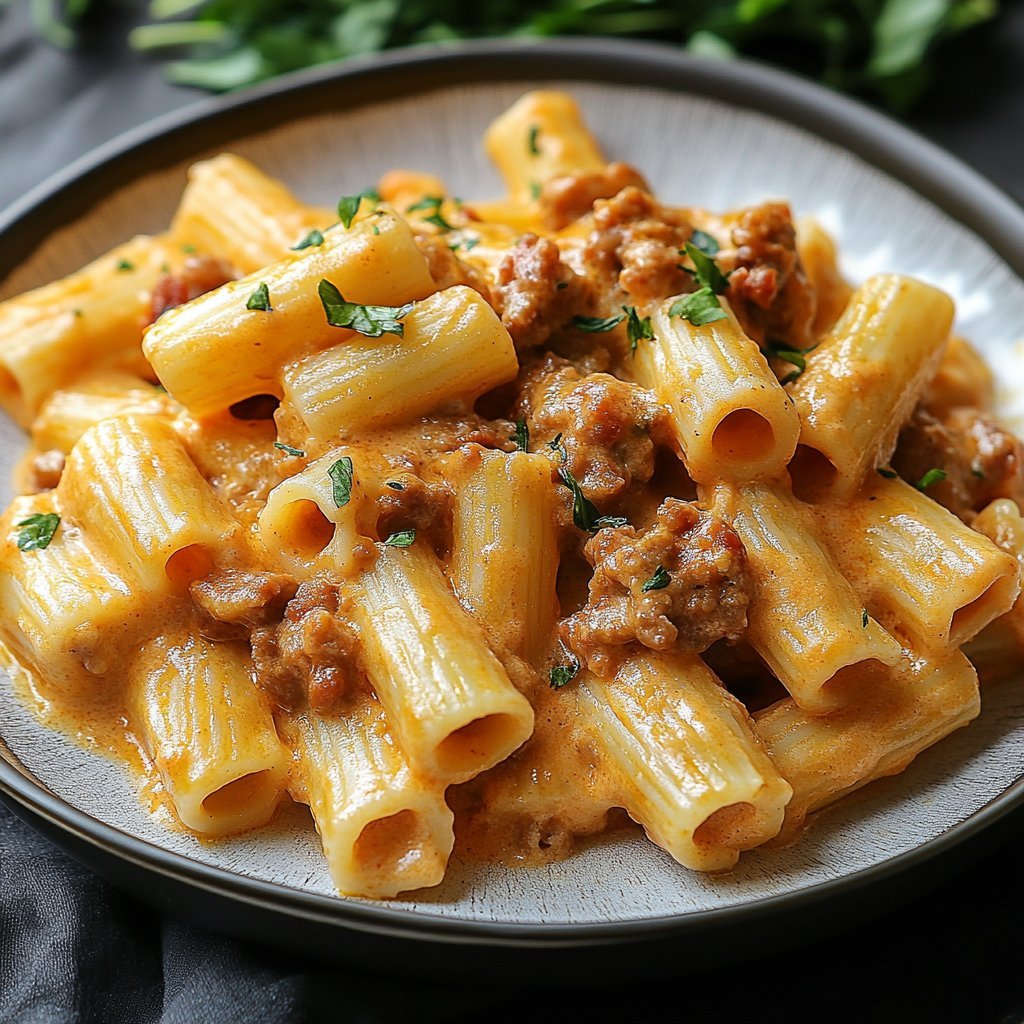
[483, 522]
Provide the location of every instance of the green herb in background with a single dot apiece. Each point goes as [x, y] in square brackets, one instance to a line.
[886, 48]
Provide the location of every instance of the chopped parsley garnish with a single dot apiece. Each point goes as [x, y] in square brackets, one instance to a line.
[700, 307]
[341, 481]
[789, 355]
[887, 473]
[521, 436]
[535, 190]
[637, 329]
[933, 476]
[289, 450]
[659, 581]
[706, 270]
[466, 244]
[597, 324]
[125, 265]
[531, 140]
[976, 470]
[37, 531]
[260, 299]
[313, 238]
[584, 512]
[562, 675]
[864, 618]
[433, 204]
[188, 250]
[348, 206]
[395, 485]
[371, 321]
[402, 539]
[703, 241]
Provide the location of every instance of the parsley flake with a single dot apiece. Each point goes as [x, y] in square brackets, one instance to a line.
[977, 470]
[864, 618]
[637, 329]
[289, 450]
[521, 436]
[531, 140]
[703, 241]
[125, 265]
[188, 249]
[706, 270]
[933, 476]
[700, 307]
[433, 204]
[402, 539]
[260, 299]
[562, 675]
[37, 531]
[658, 581]
[348, 206]
[371, 321]
[597, 324]
[535, 190]
[313, 238]
[887, 473]
[341, 481]
[584, 512]
[395, 485]
[466, 244]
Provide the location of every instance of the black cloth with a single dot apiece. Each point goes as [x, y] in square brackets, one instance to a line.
[75, 949]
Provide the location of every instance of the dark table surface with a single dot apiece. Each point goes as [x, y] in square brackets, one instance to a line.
[73, 948]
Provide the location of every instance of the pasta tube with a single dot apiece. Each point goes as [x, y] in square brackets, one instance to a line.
[804, 618]
[731, 417]
[504, 560]
[863, 381]
[820, 261]
[897, 717]
[690, 768]
[384, 829]
[917, 567]
[232, 210]
[131, 485]
[209, 731]
[1002, 523]
[452, 707]
[453, 348]
[213, 351]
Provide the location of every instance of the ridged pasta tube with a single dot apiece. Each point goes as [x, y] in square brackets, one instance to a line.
[863, 381]
[731, 417]
[454, 348]
[450, 703]
[93, 318]
[232, 210]
[209, 731]
[1002, 522]
[504, 560]
[384, 829]
[804, 618]
[914, 706]
[131, 486]
[690, 769]
[213, 351]
[916, 566]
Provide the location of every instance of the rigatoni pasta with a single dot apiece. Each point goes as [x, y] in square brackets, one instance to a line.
[466, 523]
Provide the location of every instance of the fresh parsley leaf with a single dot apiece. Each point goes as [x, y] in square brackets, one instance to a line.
[977, 470]
[699, 307]
[37, 531]
[260, 299]
[933, 476]
[371, 321]
[864, 618]
[521, 436]
[188, 250]
[887, 473]
[531, 140]
[313, 238]
[703, 241]
[466, 244]
[706, 270]
[348, 206]
[658, 581]
[433, 204]
[125, 265]
[341, 481]
[535, 190]
[562, 675]
[597, 324]
[636, 329]
[789, 355]
[289, 450]
[402, 539]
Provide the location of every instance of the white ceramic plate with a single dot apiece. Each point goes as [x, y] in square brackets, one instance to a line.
[695, 149]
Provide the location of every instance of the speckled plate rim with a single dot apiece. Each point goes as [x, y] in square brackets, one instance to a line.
[960, 192]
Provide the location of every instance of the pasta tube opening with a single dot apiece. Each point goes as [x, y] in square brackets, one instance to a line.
[394, 844]
[251, 793]
[187, 564]
[972, 618]
[303, 529]
[461, 752]
[812, 473]
[743, 439]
